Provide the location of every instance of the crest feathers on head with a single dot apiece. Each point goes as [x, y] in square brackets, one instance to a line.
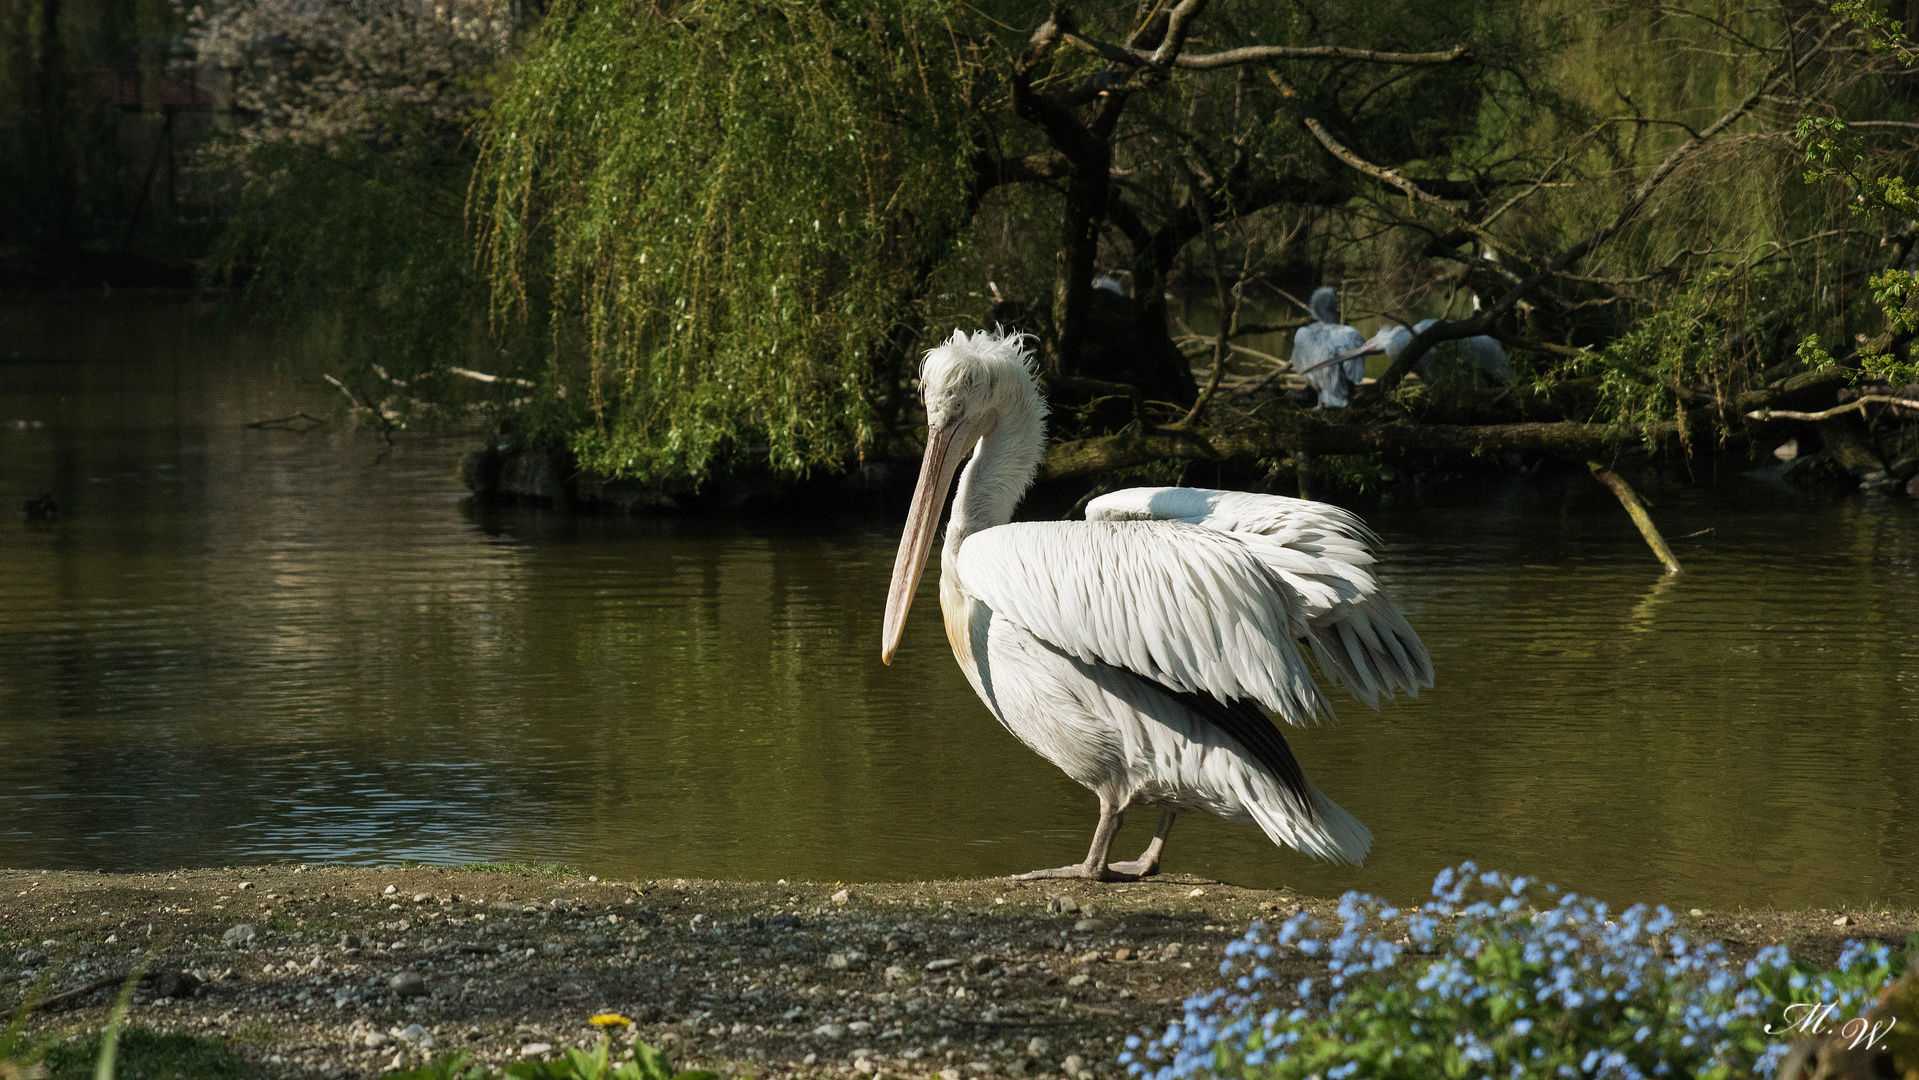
[964, 362]
[996, 346]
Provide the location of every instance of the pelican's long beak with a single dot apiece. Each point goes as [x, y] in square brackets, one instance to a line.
[946, 447]
[1367, 349]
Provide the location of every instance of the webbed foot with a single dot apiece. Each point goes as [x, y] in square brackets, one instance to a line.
[1079, 871]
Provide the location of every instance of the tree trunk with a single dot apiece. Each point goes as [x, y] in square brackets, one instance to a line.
[1154, 252]
[55, 131]
[1080, 220]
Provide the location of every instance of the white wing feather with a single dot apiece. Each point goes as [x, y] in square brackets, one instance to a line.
[1190, 607]
[1359, 637]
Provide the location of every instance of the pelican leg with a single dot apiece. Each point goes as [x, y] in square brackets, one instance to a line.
[1094, 868]
[1148, 862]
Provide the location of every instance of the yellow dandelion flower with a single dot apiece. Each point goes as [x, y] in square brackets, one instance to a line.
[610, 1020]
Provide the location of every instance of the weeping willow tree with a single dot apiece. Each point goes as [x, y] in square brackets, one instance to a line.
[736, 215]
[724, 229]
[728, 209]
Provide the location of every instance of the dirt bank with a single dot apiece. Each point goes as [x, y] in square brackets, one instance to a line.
[965, 979]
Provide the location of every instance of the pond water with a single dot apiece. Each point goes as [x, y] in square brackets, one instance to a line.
[240, 646]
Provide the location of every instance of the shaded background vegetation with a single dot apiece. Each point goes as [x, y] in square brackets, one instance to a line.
[679, 240]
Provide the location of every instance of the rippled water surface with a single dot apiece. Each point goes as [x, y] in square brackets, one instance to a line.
[242, 645]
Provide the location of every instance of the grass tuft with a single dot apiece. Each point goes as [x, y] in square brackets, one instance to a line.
[145, 1054]
[551, 870]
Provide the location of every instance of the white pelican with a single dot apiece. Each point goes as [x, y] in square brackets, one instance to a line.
[1136, 649]
[1320, 341]
[1482, 351]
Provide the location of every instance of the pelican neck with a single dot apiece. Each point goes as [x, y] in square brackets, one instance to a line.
[996, 477]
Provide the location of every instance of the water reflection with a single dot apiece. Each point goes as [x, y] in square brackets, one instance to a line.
[242, 645]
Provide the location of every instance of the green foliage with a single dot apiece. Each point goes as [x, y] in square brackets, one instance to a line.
[733, 205]
[145, 1054]
[351, 170]
[1882, 33]
[1650, 373]
[597, 1064]
[1349, 472]
[1801, 983]
[446, 1067]
[1872, 176]
[1897, 294]
[704, 235]
[1832, 155]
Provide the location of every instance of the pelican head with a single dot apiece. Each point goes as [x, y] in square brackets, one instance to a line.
[1324, 305]
[975, 387]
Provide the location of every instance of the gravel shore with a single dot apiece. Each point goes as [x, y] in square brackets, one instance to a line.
[351, 972]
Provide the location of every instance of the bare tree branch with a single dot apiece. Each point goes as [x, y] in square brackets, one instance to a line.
[1254, 54]
[1526, 193]
[1178, 25]
[1388, 176]
[1855, 405]
[1637, 511]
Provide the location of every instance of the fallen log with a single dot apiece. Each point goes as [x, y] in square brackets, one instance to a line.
[1797, 389]
[1083, 458]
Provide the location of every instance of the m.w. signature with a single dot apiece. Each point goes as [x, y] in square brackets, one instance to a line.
[1816, 1019]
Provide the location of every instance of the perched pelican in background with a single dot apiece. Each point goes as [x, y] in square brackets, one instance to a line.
[1323, 339]
[1482, 351]
[1137, 649]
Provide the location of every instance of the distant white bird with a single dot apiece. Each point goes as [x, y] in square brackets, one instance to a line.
[1321, 340]
[1141, 649]
[1483, 351]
